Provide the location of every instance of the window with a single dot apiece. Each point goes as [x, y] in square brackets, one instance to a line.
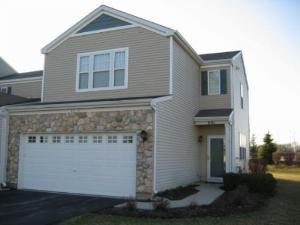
[69, 139]
[83, 139]
[214, 82]
[102, 70]
[56, 139]
[242, 96]
[243, 147]
[6, 90]
[32, 139]
[97, 139]
[112, 139]
[127, 139]
[43, 139]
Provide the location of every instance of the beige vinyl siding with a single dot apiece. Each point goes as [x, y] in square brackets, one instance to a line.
[177, 153]
[205, 131]
[217, 101]
[25, 89]
[240, 116]
[148, 69]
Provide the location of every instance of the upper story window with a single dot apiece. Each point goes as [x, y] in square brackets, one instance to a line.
[102, 70]
[214, 82]
[242, 96]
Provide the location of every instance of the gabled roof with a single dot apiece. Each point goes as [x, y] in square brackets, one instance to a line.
[219, 56]
[14, 76]
[7, 99]
[214, 113]
[103, 9]
[5, 68]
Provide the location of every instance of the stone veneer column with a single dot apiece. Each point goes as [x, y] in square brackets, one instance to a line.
[81, 122]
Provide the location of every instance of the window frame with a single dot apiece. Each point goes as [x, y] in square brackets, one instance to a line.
[219, 86]
[111, 70]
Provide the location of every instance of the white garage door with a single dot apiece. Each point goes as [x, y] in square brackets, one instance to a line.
[100, 164]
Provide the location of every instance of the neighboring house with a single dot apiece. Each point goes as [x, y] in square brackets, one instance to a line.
[128, 109]
[27, 85]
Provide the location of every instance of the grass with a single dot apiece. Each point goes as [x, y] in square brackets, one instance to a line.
[282, 209]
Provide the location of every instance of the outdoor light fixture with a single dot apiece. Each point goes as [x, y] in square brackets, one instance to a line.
[200, 138]
[144, 135]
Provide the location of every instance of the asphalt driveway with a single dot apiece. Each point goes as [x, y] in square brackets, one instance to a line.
[42, 208]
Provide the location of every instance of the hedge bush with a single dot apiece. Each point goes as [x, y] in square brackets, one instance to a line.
[256, 182]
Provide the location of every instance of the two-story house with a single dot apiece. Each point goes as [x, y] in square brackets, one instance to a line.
[129, 109]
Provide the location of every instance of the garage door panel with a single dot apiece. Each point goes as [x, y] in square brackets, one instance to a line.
[102, 164]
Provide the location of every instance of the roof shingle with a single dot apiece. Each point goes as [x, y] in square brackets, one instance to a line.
[219, 55]
[214, 113]
[38, 73]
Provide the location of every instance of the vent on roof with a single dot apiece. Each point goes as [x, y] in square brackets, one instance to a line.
[103, 22]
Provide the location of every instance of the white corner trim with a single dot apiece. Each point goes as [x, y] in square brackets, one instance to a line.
[43, 81]
[3, 143]
[110, 11]
[154, 103]
[231, 87]
[21, 80]
[171, 64]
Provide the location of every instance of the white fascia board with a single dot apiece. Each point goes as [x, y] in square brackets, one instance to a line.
[216, 65]
[181, 40]
[110, 11]
[210, 120]
[21, 80]
[81, 105]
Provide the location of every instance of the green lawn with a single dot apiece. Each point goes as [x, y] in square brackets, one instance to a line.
[282, 209]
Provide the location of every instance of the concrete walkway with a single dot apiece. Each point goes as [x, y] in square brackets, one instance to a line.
[207, 194]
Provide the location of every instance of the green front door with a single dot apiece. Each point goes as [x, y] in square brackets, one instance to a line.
[216, 159]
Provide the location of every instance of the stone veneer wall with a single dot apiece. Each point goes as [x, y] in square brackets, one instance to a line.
[84, 122]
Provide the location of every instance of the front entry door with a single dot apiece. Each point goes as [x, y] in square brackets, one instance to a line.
[216, 158]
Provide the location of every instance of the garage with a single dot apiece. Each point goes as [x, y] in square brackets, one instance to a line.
[96, 164]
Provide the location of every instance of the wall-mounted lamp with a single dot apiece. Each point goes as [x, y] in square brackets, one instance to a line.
[200, 139]
[144, 135]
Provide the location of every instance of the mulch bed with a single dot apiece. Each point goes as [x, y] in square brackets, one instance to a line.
[178, 193]
[231, 202]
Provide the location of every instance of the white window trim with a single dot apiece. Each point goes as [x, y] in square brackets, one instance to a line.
[208, 86]
[111, 73]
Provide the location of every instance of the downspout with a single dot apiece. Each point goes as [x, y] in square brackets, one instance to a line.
[3, 145]
[154, 104]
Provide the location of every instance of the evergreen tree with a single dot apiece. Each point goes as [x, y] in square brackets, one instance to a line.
[253, 147]
[267, 149]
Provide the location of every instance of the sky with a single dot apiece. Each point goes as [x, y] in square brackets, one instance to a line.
[267, 31]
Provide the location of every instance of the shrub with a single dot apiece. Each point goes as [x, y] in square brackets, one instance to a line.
[256, 182]
[131, 205]
[297, 158]
[257, 165]
[161, 205]
[231, 181]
